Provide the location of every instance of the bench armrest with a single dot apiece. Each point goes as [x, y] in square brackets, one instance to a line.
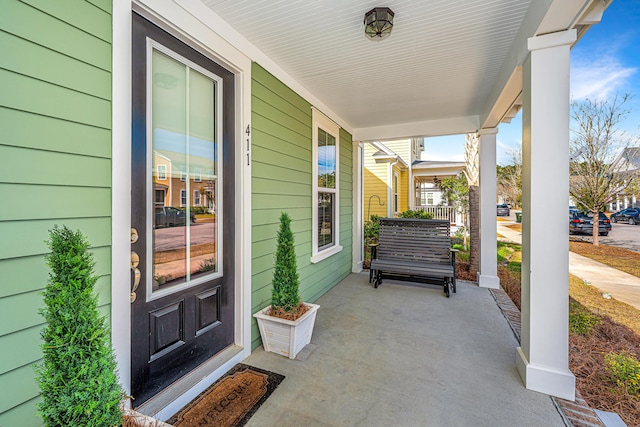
[373, 247]
[453, 256]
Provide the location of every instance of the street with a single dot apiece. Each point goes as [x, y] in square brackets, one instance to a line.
[174, 237]
[621, 235]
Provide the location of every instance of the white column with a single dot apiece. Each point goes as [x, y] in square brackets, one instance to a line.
[543, 358]
[390, 190]
[488, 274]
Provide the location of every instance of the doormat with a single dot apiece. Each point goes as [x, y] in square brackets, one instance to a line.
[231, 400]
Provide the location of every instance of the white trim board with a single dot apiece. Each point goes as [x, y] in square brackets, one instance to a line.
[189, 28]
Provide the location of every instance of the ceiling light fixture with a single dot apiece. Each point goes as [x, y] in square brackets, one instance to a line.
[378, 23]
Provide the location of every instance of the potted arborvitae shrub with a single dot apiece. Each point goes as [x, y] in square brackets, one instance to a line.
[287, 324]
[77, 378]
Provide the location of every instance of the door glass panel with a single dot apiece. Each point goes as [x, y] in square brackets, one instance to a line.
[183, 120]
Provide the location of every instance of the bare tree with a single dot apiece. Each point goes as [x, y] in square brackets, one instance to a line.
[509, 179]
[595, 176]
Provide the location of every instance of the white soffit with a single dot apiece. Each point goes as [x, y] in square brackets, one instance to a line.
[439, 66]
[440, 61]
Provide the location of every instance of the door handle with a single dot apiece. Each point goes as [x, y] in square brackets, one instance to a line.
[136, 279]
[134, 262]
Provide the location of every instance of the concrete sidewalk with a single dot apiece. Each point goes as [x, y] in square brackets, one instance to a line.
[622, 286]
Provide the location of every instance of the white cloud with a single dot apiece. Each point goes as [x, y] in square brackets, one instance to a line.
[600, 78]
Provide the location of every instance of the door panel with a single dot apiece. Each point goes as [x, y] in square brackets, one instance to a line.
[182, 209]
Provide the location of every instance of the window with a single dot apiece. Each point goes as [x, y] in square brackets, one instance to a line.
[395, 192]
[197, 175]
[183, 173]
[429, 198]
[159, 197]
[162, 172]
[196, 198]
[183, 197]
[326, 191]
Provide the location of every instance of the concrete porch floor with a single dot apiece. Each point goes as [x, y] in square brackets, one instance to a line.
[403, 355]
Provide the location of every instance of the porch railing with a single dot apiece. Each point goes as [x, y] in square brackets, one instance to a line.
[443, 212]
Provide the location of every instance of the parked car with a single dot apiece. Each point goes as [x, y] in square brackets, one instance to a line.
[573, 209]
[168, 216]
[629, 216]
[582, 222]
[503, 210]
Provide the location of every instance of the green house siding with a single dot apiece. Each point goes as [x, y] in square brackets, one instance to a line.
[55, 168]
[281, 181]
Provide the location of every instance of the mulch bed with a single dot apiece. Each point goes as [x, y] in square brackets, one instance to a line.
[586, 359]
[463, 273]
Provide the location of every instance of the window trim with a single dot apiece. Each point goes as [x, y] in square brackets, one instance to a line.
[162, 176]
[183, 191]
[396, 184]
[320, 121]
[197, 198]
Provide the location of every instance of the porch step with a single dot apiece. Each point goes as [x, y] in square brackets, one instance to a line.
[610, 419]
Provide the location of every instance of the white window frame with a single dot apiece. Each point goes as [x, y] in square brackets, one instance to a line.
[183, 173]
[197, 174]
[183, 196]
[162, 172]
[197, 198]
[395, 185]
[320, 121]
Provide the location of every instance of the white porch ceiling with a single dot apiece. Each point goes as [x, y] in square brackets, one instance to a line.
[439, 72]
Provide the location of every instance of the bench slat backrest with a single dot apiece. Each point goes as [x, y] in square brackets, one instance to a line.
[426, 240]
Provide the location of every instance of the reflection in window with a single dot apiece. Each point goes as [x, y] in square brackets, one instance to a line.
[183, 110]
[325, 220]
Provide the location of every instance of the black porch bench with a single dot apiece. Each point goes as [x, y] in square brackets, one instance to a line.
[416, 250]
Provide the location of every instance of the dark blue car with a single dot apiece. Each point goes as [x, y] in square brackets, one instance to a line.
[582, 222]
[630, 216]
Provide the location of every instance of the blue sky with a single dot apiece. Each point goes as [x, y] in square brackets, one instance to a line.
[605, 62]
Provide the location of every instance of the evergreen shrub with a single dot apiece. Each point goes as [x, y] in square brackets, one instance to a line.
[624, 370]
[77, 378]
[418, 213]
[285, 296]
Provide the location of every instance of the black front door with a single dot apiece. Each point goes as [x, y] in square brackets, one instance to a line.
[182, 198]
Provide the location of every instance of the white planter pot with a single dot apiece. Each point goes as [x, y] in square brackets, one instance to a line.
[286, 337]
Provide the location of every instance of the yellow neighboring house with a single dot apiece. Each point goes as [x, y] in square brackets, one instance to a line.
[396, 179]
